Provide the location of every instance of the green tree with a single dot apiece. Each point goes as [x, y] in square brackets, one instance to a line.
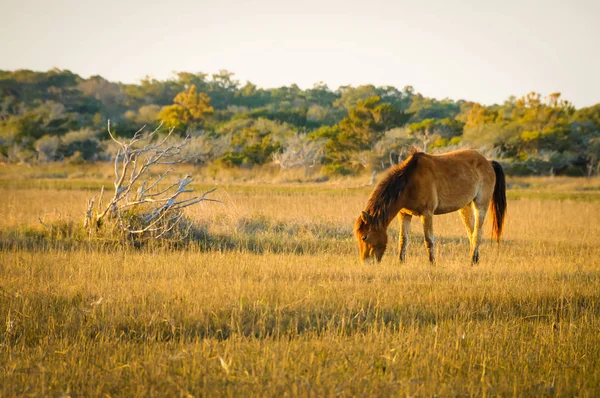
[422, 108]
[349, 96]
[435, 133]
[151, 91]
[320, 95]
[222, 89]
[359, 131]
[253, 141]
[251, 96]
[110, 95]
[186, 80]
[190, 110]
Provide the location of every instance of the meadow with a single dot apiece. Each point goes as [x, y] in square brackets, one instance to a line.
[269, 299]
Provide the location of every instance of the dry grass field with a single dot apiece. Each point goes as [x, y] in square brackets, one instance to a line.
[271, 300]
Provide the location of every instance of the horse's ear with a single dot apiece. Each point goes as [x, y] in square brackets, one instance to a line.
[365, 217]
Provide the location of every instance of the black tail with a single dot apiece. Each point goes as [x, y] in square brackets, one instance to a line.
[498, 201]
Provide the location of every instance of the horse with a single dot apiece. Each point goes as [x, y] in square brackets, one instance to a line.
[425, 185]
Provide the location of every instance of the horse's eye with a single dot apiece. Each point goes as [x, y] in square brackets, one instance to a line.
[364, 238]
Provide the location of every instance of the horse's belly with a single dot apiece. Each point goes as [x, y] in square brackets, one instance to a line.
[448, 203]
[446, 210]
[420, 212]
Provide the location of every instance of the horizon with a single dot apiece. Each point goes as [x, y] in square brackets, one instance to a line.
[476, 52]
[173, 77]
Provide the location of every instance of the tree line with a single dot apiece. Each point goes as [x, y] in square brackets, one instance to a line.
[59, 116]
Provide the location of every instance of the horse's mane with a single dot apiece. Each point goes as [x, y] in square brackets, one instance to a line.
[389, 189]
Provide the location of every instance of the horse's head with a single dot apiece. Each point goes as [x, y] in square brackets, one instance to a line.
[372, 238]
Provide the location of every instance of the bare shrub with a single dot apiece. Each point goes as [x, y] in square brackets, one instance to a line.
[300, 152]
[144, 204]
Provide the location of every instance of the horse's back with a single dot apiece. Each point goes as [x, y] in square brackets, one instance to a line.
[464, 163]
[461, 156]
[450, 181]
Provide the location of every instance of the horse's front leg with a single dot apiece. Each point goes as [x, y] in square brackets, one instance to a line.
[427, 221]
[404, 231]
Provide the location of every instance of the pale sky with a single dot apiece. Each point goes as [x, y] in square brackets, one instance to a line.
[476, 50]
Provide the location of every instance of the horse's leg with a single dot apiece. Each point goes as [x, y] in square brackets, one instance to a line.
[405, 229]
[468, 218]
[480, 212]
[427, 221]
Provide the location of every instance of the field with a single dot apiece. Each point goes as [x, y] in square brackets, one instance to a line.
[272, 300]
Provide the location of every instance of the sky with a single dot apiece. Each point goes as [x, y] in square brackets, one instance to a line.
[480, 50]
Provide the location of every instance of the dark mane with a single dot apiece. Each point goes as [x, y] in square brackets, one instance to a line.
[389, 189]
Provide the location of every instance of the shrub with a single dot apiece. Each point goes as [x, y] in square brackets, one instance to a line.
[48, 148]
[84, 141]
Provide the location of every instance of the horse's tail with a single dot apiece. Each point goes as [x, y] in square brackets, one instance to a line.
[498, 201]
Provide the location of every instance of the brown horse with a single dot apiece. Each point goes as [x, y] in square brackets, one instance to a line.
[425, 185]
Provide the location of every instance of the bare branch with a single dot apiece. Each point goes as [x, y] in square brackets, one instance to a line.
[48, 227]
[145, 202]
[88, 213]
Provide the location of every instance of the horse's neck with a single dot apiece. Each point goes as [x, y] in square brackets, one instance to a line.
[385, 200]
[390, 214]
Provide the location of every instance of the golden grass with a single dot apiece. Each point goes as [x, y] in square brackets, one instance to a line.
[276, 303]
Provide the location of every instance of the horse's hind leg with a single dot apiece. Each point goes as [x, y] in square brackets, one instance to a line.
[480, 212]
[468, 218]
[405, 229]
[427, 221]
